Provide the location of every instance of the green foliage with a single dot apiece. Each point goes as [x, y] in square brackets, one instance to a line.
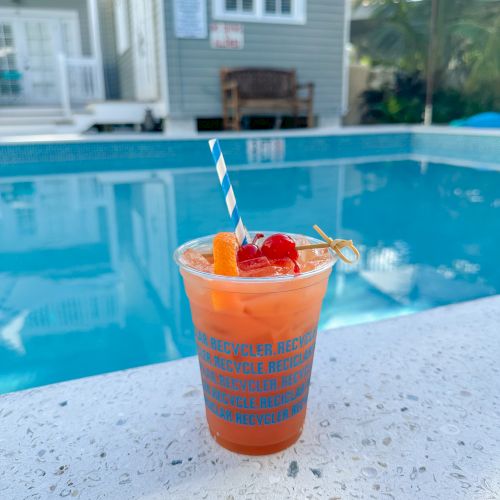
[404, 102]
[467, 55]
[401, 102]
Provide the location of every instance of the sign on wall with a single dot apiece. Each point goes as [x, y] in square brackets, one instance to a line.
[190, 18]
[226, 36]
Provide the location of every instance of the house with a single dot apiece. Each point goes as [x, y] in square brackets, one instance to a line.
[308, 35]
[66, 65]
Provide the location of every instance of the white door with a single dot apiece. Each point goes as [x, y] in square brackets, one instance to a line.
[37, 37]
[39, 60]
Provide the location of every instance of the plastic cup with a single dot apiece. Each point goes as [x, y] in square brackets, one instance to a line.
[255, 339]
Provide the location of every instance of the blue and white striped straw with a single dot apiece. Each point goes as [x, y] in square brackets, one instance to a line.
[239, 229]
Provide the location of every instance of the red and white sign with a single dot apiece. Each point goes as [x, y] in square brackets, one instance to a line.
[226, 36]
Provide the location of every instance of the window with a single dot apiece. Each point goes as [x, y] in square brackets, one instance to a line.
[279, 7]
[25, 221]
[239, 5]
[122, 26]
[260, 11]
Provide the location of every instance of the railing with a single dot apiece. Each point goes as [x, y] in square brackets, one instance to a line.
[80, 82]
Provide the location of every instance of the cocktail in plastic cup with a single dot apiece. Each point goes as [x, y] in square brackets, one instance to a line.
[255, 339]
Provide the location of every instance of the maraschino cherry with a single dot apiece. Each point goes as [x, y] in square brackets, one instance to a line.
[280, 246]
[250, 251]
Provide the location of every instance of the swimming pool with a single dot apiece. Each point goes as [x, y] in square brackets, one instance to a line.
[88, 285]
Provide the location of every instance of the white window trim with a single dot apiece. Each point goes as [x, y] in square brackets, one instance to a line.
[298, 15]
[122, 26]
[22, 13]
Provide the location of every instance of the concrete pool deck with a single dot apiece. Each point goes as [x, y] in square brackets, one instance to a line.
[404, 408]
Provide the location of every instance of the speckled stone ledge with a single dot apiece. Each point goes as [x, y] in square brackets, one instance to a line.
[407, 408]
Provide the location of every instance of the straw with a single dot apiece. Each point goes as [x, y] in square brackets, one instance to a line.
[239, 229]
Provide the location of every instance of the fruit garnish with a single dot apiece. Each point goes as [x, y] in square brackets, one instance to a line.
[250, 251]
[251, 264]
[279, 254]
[225, 247]
[281, 246]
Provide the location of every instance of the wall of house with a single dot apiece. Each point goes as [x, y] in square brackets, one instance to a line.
[315, 50]
[108, 48]
[76, 5]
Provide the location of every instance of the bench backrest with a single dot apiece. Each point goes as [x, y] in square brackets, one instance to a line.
[262, 83]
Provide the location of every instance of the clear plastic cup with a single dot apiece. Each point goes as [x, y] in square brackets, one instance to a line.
[255, 339]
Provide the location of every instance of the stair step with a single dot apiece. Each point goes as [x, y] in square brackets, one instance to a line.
[7, 121]
[23, 111]
[17, 130]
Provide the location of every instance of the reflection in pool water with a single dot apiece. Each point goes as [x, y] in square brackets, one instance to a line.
[88, 285]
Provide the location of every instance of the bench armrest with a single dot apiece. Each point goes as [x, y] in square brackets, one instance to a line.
[230, 86]
[310, 89]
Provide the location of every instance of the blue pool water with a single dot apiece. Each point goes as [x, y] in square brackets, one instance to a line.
[88, 285]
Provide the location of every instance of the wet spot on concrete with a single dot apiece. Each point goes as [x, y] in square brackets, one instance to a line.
[293, 469]
[316, 472]
[369, 471]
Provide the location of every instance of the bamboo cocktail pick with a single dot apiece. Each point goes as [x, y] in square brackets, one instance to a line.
[335, 245]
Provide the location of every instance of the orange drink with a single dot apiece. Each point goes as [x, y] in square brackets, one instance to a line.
[255, 338]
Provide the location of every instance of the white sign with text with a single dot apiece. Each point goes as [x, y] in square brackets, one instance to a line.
[227, 36]
[190, 18]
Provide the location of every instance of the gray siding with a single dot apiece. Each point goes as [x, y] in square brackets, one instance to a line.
[315, 50]
[108, 48]
[77, 5]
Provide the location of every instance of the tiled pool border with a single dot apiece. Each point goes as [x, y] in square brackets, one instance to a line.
[120, 152]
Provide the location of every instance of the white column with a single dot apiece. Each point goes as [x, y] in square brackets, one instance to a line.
[95, 45]
[64, 84]
[345, 58]
[161, 57]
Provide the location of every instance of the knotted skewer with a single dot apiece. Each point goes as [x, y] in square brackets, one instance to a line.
[335, 245]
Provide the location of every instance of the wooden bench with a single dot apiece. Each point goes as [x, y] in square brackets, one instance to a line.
[262, 89]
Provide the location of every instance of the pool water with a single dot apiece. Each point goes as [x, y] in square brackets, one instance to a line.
[88, 284]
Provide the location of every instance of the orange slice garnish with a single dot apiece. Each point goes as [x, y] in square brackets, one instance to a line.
[225, 247]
